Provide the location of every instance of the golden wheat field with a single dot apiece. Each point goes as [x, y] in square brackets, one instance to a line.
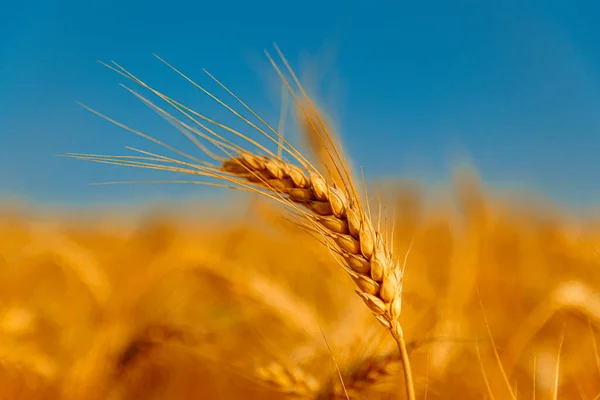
[323, 296]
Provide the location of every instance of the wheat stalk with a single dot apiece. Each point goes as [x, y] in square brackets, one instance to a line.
[335, 212]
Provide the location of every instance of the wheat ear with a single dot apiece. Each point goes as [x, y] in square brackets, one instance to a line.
[362, 250]
[334, 212]
[367, 372]
[290, 381]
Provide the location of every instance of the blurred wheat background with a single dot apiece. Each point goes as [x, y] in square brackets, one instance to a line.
[500, 301]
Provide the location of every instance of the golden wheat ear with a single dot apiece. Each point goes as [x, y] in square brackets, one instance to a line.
[328, 202]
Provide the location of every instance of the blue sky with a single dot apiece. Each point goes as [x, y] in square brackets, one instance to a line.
[414, 87]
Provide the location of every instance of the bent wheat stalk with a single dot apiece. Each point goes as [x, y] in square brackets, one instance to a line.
[334, 211]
